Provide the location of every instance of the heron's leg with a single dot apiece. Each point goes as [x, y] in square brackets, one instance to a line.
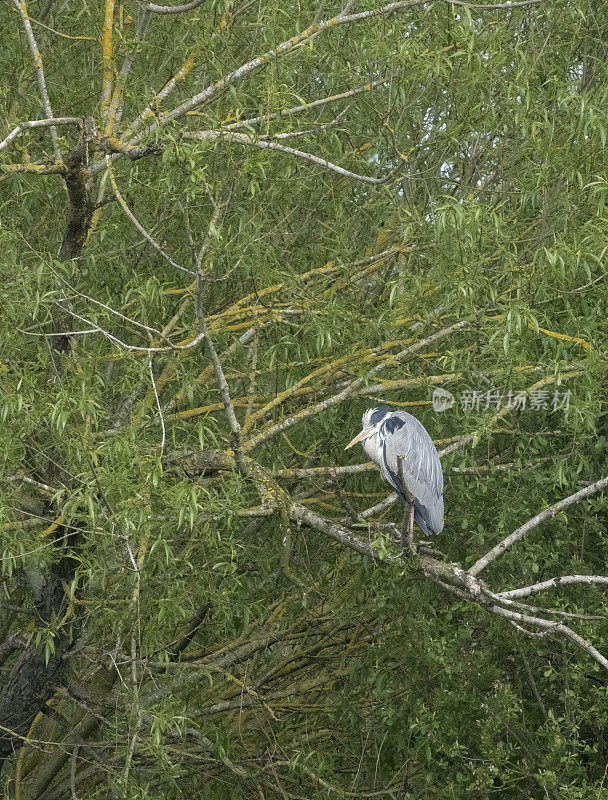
[407, 528]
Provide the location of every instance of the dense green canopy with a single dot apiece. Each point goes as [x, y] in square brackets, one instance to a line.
[249, 223]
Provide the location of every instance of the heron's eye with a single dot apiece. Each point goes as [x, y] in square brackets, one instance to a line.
[377, 414]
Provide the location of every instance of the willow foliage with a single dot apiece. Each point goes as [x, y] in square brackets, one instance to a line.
[259, 220]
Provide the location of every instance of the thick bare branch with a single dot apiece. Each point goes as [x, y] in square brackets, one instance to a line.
[337, 531]
[551, 511]
[553, 583]
[119, 343]
[80, 210]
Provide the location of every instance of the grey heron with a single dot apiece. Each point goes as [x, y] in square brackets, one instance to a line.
[401, 446]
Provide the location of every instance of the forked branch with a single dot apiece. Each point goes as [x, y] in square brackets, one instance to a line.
[464, 584]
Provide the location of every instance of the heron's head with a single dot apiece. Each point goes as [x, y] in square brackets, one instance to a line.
[371, 422]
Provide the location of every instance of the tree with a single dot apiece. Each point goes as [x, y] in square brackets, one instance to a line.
[276, 217]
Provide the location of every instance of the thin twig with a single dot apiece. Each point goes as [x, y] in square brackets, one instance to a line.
[61, 333]
[137, 224]
[537, 610]
[237, 436]
[160, 411]
[251, 388]
[354, 387]
[174, 9]
[21, 7]
[288, 112]
[263, 144]
[29, 168]
[43, 486]
[38, 123]
[493, 6]
[317, 129]
[107, 61]
[59, 33]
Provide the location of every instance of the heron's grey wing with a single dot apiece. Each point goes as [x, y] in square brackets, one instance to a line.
[404, 436]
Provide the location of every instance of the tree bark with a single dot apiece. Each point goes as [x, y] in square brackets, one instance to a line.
[33, 679]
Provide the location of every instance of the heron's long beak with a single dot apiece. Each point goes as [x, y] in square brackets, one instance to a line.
[363, 435]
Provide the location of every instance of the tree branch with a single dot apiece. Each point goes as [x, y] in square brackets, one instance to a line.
[117, 103]
[552, 627]
[285, 47]
[137, 224]
[179, 9]
[38, 123]
[450, 576]
[263, 144]
[493, 6]
[107, 62]
[80, 210]
[552, 583]
[518, 534]
[331, 472]
[21, 7]
[56, 168]
[288, 112]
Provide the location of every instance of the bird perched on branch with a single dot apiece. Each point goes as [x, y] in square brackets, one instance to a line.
[408, 460]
